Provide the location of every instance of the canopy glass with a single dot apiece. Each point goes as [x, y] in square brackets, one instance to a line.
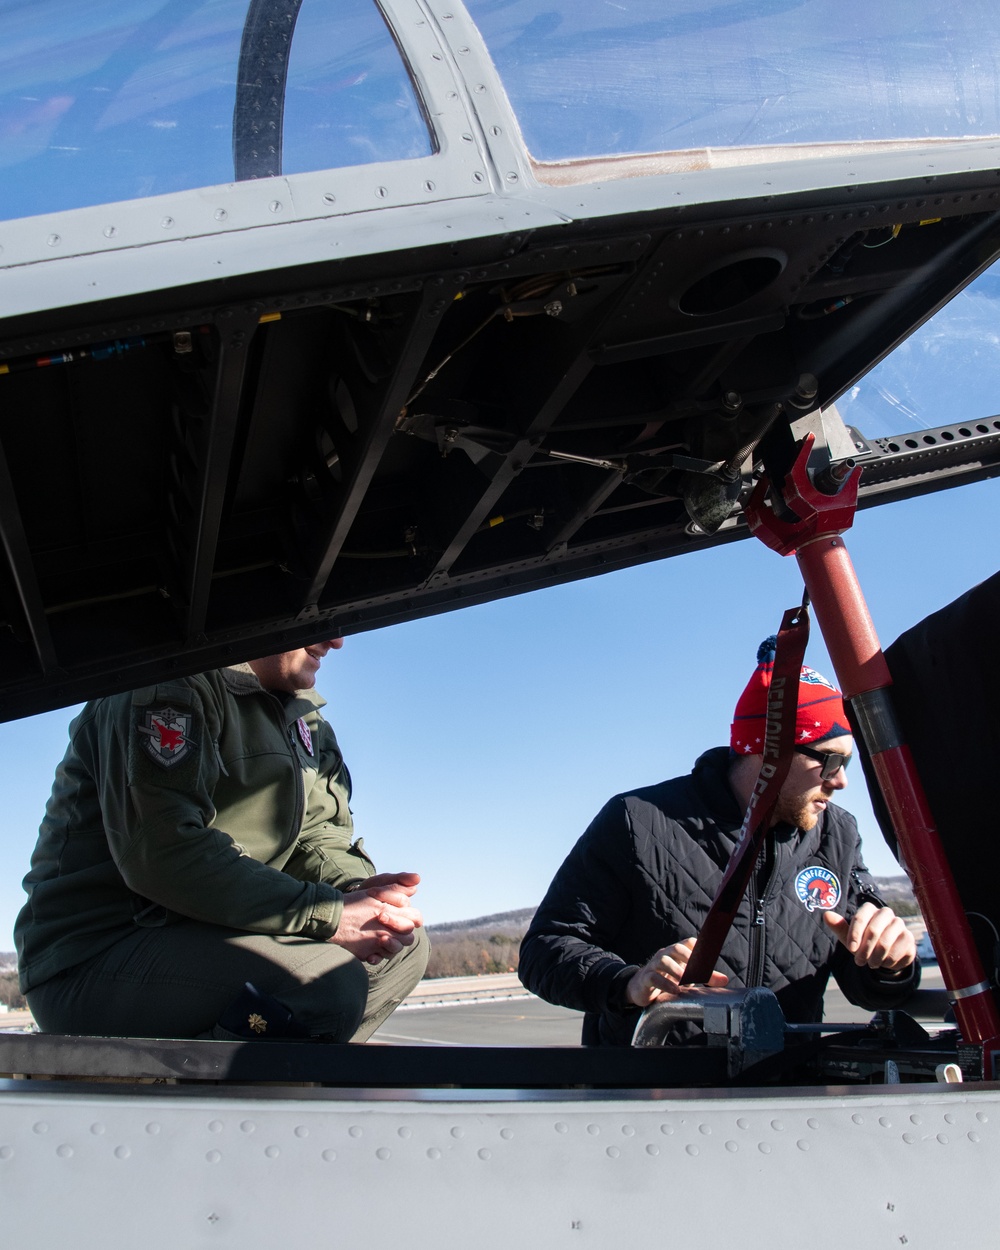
[629, 76]
[106, 102]
[946, 372]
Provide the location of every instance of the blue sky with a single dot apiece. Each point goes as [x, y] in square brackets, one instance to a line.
[481, 742]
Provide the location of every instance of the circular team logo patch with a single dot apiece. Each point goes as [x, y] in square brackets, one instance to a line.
[817, 888]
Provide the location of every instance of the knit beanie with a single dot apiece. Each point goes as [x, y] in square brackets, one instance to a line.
[820, 711]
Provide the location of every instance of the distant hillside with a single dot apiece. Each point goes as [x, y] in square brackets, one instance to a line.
[490, 943]
[470, 948]
[893, 889]
[501, 921]
[462, 948]
[898, 893]
[10, 994]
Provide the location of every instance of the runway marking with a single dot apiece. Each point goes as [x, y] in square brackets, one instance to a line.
[423, 1004]
[404, 1037]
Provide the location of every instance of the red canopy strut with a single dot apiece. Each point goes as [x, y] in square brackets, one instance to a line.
[864, 678]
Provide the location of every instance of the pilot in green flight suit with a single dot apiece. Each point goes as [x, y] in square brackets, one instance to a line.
[196, 872]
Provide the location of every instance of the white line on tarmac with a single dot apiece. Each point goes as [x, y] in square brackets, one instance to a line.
[381, 1035]
[410, 1005]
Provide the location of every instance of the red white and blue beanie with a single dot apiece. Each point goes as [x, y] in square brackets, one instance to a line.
[820, 712]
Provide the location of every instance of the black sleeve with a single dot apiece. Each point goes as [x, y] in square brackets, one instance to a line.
[871, 989]
[566, 955]
[868, 987]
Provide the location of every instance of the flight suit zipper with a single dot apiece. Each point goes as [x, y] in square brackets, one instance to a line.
[300, 791]
[275, 705]
[299, 806]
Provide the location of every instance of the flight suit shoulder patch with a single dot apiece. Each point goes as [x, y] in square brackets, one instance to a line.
[164, 738]
[164, 734]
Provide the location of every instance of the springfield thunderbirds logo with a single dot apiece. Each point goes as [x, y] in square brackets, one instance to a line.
[817, 888]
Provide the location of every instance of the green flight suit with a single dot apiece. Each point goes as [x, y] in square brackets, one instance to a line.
[198, 836]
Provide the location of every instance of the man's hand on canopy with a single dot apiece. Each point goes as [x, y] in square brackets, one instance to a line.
[659, 978]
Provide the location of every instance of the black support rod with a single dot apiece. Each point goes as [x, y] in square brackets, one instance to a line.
[209, 492]
[15, 545]
[568, 374]
[376, 429]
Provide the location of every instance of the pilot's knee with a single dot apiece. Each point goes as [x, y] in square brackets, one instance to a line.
[416, 957]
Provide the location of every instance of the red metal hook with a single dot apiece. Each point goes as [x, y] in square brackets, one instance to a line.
[820, 515]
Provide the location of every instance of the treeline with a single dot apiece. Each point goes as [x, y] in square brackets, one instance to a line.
[474, 948]
[9, 992]
[464, 954]
[898, 893]
[452, 955]
[471, 948]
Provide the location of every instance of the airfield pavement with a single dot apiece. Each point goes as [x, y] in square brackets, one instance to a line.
[496, 1010]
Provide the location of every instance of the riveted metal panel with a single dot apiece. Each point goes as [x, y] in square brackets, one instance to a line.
[141, 244]
[95, 1170]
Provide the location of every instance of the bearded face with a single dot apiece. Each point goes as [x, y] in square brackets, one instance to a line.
[805, 795]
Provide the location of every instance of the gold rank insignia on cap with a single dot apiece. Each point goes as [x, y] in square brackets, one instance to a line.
[257, 1023]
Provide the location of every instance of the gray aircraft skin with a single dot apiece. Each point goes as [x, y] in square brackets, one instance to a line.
[390, 308]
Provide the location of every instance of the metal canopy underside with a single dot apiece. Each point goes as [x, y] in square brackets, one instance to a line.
[233, 468]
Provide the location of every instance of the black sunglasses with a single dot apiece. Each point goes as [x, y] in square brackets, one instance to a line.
[830, 763]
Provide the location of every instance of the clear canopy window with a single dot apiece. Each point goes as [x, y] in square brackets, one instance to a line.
[103, 102]
[614, 77]
[945, 373]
